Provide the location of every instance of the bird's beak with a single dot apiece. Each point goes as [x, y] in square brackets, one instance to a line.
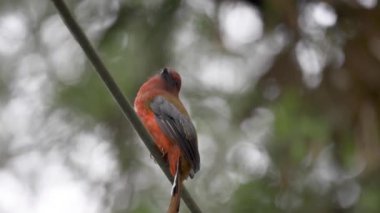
[166, 75]
[164, 72]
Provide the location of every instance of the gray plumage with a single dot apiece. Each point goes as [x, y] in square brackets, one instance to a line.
[179, 128]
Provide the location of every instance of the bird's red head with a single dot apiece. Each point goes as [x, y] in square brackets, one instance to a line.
[168, 79]
[171, 79]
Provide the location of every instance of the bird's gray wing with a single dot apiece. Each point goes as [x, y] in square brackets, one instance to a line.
[179, 128]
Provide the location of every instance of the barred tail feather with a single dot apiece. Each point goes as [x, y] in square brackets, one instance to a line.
[176, 191]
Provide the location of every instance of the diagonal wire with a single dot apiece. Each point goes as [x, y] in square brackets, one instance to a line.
[124, 105]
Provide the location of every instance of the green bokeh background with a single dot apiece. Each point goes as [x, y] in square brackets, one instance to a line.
[315, 146]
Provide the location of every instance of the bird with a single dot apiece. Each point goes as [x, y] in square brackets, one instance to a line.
[160, 109]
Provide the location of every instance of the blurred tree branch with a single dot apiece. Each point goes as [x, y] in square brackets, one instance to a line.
[126, 108]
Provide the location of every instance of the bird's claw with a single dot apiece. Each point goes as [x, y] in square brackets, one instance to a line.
[163, 152]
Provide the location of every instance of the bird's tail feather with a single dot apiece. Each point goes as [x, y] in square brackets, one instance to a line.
[176, 191]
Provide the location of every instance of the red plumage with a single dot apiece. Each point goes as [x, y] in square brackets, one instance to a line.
[163, 114]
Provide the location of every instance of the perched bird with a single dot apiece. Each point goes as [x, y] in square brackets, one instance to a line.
[163, 114]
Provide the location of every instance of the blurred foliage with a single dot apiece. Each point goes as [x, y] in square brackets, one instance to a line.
[288, 119]
[260, 201]
[296, 124]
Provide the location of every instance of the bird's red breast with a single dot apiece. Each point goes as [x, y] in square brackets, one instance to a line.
[163, 114]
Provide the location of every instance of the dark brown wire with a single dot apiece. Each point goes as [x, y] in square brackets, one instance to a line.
[116, 93]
